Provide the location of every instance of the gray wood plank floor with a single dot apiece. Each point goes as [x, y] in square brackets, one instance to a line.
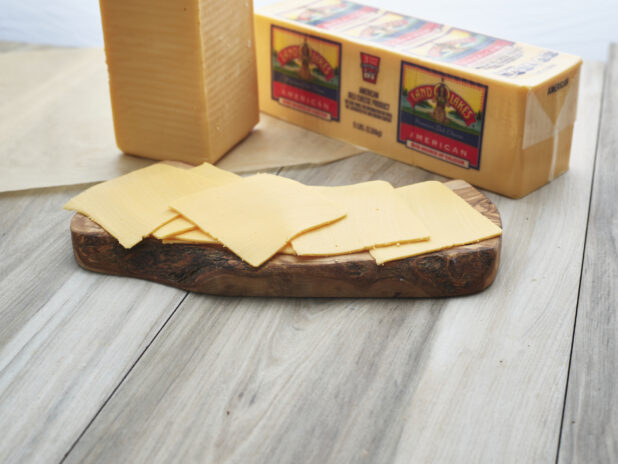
[590, 428]
[67, 337]
[474, 379]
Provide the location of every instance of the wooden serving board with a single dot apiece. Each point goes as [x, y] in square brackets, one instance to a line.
[214, 270]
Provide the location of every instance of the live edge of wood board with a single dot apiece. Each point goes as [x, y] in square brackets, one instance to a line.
[214, 270]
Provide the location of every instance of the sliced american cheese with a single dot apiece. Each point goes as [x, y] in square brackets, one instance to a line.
[287, 250]
[176, 226]
[376, 216]
[450, 219]
[195, 236]
[215, 177]
[198, 237]
[182, 76]
[258, 215]
[130, 207]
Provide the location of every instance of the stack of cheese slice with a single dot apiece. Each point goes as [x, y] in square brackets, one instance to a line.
[259, 216]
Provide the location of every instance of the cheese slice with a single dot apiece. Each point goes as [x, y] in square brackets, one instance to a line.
[130, 207]
[377, 216]
[258, 215]
[215, 177]
[198, 237]
[195, 236]
[176, 226]
[182, 76]
[450, 219]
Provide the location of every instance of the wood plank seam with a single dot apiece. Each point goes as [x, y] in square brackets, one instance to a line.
[581, 272]
[122, 380]
[589, 429]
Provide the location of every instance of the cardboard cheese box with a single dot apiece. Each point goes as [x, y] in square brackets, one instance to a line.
[496, 113]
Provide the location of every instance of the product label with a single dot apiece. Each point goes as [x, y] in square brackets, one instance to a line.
[306, 72]
[334, 15]
[421, 38]
[441, 115]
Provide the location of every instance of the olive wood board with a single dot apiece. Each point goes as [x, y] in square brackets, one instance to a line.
[212, 269]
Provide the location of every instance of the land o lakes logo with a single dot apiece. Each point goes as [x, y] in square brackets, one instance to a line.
[305, 73]
[441, 115]
[370, 65]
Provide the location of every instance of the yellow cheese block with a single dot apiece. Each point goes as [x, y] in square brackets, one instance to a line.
[376, 216]
[496, 113]
[130, 207]
[258, 215]
[450, 219]
[215, 177]
[182, 76]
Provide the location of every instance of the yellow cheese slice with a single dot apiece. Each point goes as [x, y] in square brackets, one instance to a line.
[130, 207]
[258, 215]
[176, 226]
[287, 250]
[198, 237]
[450, 219]
[194, 236]
[376, 216]
[216, 177]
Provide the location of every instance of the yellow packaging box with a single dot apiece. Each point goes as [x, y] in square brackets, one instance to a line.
[496, 113]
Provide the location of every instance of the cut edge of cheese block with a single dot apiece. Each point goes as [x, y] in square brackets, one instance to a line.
[376, 217]
[450, 219]
[259, 215]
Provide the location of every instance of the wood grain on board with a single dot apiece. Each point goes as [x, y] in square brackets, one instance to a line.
[473, 379]
[214, 270]
[590, 426]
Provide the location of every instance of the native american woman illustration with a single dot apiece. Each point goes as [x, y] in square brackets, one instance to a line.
[441, 98]
[305, 58]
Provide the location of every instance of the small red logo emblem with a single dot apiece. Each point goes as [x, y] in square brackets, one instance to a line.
[370, 65]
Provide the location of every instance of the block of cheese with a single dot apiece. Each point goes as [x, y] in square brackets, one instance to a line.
[451, 221]
[257, 216]
[376, 216]
[215, 177]
[496, 113]
[182, 76]
[132, 206]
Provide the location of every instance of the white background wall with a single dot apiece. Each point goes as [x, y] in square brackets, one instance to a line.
[582, 27]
